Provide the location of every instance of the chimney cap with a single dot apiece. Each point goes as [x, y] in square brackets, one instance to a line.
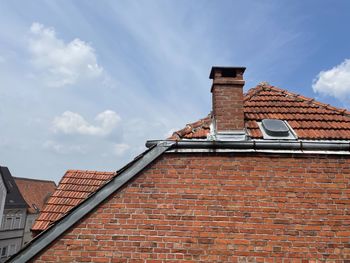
[226, 71]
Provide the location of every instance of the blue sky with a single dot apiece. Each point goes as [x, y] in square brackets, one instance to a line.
[83, 84]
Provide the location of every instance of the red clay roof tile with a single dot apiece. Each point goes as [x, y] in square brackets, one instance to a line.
[35, 192]
[74, 187]
[310, 119]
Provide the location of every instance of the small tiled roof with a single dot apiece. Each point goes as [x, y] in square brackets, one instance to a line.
[74, 187]
[310, 119]
[35, 192]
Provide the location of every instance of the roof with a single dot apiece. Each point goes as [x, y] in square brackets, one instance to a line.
[133, 169]
[84, 205]
[35, 192]
[310, 119]
[88, 204]
[74, 187]
[14, 198]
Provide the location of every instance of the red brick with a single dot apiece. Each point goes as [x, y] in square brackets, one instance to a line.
[237, 214]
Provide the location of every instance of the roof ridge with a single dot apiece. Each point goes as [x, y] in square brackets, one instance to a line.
[267, 87]
[34, 179]
[252, 92]
[341, 111]
[190, 127]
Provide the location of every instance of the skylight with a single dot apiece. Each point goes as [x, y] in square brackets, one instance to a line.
[273, 129]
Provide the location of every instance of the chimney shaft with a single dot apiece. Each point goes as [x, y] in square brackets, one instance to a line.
[227, 96]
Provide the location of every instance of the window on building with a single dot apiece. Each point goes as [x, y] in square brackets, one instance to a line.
[12, 249]
[274, 129]
[8, 222]
[17, 222]
[11, 221]
[4, 252]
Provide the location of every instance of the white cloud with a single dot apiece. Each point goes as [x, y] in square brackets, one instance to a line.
[334, 82]
[120, 148]
[63, 149]
[73, 123]
[61, 63]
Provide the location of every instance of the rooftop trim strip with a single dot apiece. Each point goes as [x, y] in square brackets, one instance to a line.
[275, 145]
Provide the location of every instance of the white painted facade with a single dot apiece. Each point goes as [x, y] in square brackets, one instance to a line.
[2, 197]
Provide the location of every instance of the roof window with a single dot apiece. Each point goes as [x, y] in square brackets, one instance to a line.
[273, 129]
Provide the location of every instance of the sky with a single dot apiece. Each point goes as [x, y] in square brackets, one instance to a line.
[84, 84]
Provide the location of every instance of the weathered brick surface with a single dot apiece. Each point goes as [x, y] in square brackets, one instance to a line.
[220, 208]
[228, 107]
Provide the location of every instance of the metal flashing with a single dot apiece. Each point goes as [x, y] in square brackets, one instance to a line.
[124, 175]
[176, 150]
[235, 135]
[231, 136]
[272, 146]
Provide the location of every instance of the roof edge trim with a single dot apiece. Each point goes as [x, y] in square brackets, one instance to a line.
[271, 145]
[124, 175]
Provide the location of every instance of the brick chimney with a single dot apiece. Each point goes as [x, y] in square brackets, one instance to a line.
[227, 95]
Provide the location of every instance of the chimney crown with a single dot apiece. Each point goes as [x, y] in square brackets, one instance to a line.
[227, 72]
[227, 92]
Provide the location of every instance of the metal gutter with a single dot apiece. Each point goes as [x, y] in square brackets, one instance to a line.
[277, 146]
[59, 227]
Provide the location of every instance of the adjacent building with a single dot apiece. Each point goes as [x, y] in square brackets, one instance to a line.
[21, 201]
[3, 192]
[13, 219]
[265, 177]
[36, 193]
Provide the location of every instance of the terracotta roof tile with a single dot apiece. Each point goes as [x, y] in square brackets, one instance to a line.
[74, 187]
[35, 192]
[310, 119]
[197, 130]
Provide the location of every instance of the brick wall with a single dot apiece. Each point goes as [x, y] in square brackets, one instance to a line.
[220, 208]
[228, 107]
